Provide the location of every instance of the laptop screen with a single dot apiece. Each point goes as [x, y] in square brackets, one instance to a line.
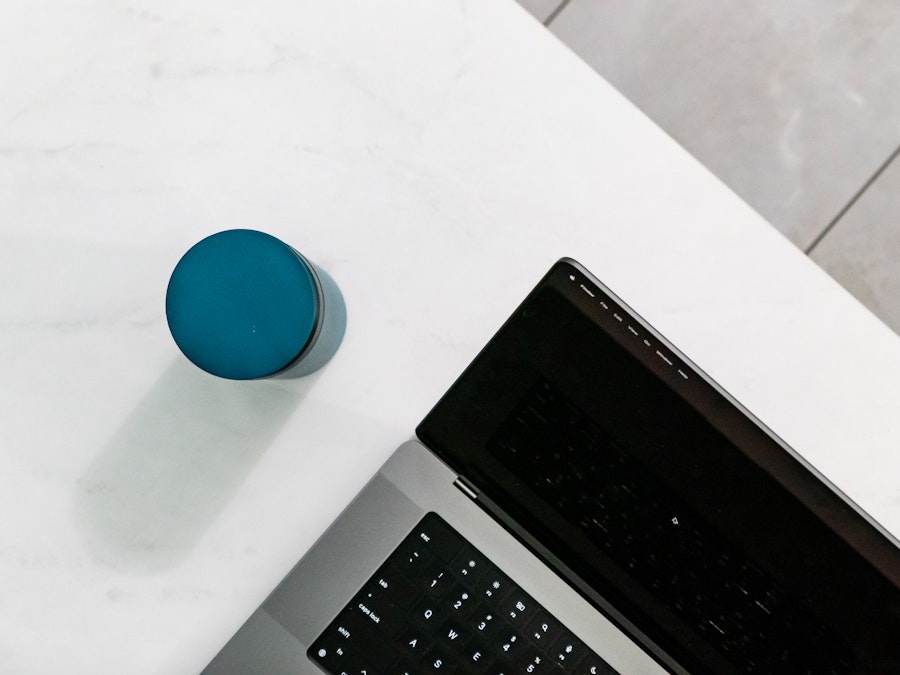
[661, 499]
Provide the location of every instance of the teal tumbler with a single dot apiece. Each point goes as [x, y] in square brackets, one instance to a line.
[243, 305]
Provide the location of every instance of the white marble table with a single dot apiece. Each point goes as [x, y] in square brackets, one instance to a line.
[436, 158]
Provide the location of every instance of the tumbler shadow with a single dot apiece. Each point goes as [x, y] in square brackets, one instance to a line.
[175, 462]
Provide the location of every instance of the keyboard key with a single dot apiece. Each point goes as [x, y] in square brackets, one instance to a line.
[469, 566]
[429, 613]
[493, 587]
[477, 657]
[594, 665]
[404, 668]
[533, 662]
[413, 642]
[440, 539]
[402, 591]
[436, 580]
[460, 603]
[518, 609]
[453, 635]
[438, 605]
[411, 558]
[377, 609]
[567, 651]
[333, 652]
[543, 629]
[439, 660]
[351, 640]
[485, 622]
[509, 644]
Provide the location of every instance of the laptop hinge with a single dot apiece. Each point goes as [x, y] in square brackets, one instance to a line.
[465, 488]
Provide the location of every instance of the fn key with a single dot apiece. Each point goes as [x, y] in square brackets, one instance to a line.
[335, 656]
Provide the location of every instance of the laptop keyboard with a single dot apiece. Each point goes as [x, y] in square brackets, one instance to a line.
[655, 538]
[437, 605]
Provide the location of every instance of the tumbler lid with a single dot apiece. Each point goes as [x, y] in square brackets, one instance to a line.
[242, 304]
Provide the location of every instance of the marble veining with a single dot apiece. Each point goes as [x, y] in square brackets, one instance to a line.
[435, 158]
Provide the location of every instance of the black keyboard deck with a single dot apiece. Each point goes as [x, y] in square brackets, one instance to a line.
[438, 605]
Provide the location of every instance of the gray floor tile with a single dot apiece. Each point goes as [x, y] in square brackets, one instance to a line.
[540, 9]
[862, 251]
[794, 105]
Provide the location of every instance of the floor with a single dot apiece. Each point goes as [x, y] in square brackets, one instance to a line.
[796, 106]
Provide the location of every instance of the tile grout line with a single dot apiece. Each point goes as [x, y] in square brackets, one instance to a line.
[840, 214]
[556, 12]
[856, 197]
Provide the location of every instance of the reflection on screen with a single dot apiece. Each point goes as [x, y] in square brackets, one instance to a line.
[659, 540]
[674, 511]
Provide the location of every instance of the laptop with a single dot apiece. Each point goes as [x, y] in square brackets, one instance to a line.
[584, 499]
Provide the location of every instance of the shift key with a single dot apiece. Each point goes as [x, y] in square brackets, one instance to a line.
[361, 641]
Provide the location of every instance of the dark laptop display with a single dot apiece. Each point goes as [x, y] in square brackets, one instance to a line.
[660, 499]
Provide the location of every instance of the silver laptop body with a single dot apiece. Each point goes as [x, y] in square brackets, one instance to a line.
[484, 509]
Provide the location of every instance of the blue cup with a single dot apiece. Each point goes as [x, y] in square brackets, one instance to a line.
[244, 305]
